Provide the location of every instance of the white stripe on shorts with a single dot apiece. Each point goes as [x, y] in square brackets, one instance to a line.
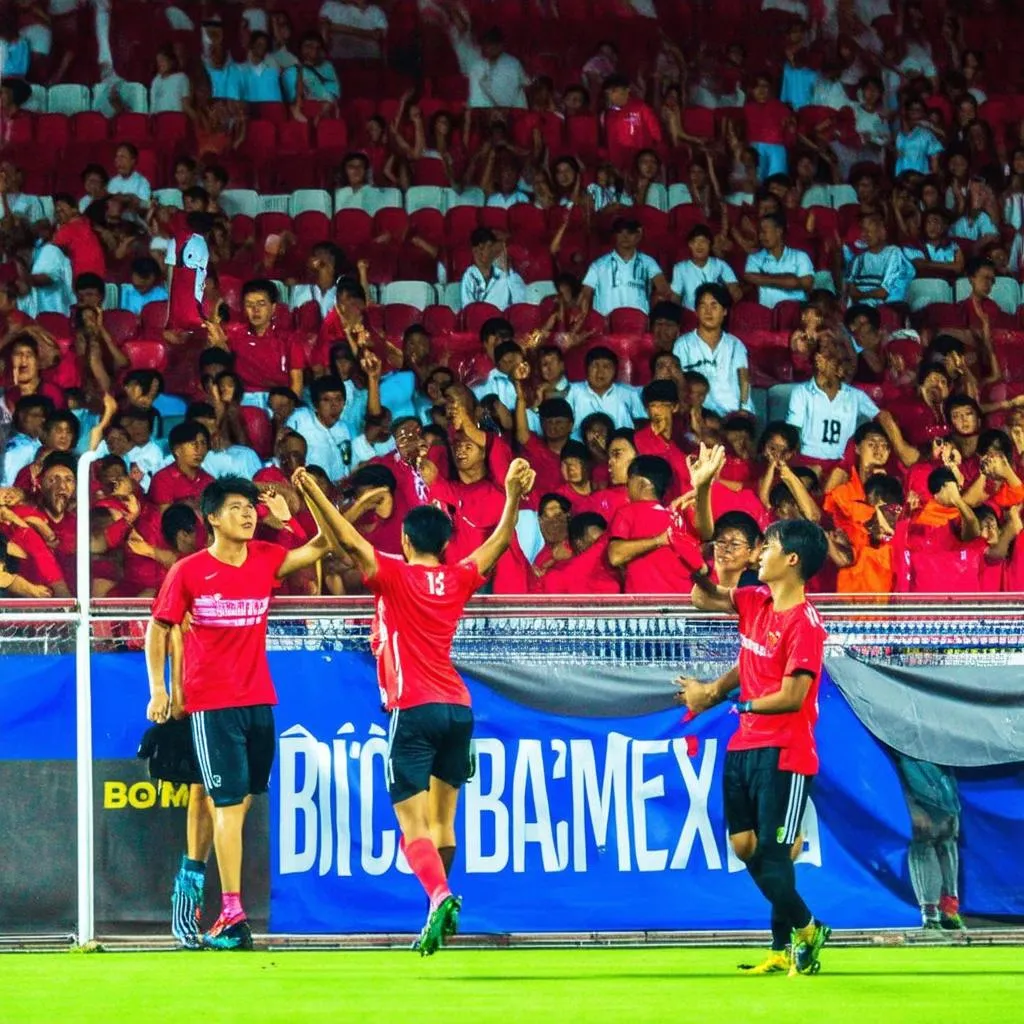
[793, 815]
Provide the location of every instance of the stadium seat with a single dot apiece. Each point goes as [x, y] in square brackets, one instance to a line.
[132, 127]
[243, 229]
[111, 296]
[169, 197]
[524, 317]
[526, 223]
[52, 131]
[134, 96]
[89, 126]
[332, 136]
[170, 129]
[843, 195]
[817, 195]
[427, 224]
[540, 290]
[926, 291]
[495, 218]
[146, 355]
[450, 295]
[36, 103]
[459, 224]
[67, 99]
[153, 318]
[424, 197]
[749, 316]
[786, 316]
[260, 141]
[939, 315]
[581, 135]
[476, 314]
[274, 204]
[679, 195]
[439, 320]
[121, 324]
[627, 321]
[398, 317]
[391, 220]
[657, 196]
[292, 137]
[699, 121]
[471, 196]
[418, 294]
[823, 279]
[352, 228]
[244, 201]
[304, 200]
[55, 323]
[310, 228]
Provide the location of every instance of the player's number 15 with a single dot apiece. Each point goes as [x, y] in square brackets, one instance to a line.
[435, 583]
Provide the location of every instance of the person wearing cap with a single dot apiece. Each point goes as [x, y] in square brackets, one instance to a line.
[721, 357]
[600, 392]
[624, 277]
[701, 268]
[779, 273]
[486, 279]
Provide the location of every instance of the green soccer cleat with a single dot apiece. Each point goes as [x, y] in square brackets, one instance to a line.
[234, 936]
[952, 923]
[804, 956]
[441, 925]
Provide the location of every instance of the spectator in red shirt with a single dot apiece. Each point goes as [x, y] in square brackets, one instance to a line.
[658, 552]
[621, 453]
[75, 235]
[661, 403]
[53, 515]
[12, 584]
[266, 356]
[186, 479]
[924, 416]
[553, 514]
[157, 542]
[630, 124]
[588, 571]
[544, 453]
[577, 474]
[25, 376]
[768, 122]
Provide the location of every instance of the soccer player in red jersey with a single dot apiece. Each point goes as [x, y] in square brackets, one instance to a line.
[225, 591]
[419, 602]
[772, 758]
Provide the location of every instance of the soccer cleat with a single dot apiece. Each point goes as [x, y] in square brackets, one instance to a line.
[187, 909]
[804, 956]
[234, 935]
[777, 962]
[949, 911]
[441, 925]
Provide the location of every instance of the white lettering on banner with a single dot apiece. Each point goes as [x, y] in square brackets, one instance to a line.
[509, 816]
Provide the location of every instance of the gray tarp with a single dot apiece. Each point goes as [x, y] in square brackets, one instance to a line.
[973, 715]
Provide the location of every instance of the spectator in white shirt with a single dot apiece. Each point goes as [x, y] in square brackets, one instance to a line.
[826, 411]
[779, 273]
[719, 356]
[702, 268]
[625, 276]
[128, 183]
[49, 286]
[486, 280]
[496, 79]
[170, 85]
[354, 30]
[881, 272]
[600, 392]
[328, 441]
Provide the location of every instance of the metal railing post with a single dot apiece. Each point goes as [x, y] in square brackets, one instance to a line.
[83, 713]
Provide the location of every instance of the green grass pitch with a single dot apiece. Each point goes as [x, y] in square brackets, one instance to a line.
[632, 986]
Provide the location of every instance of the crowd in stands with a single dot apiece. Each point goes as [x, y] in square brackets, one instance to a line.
[402, 244]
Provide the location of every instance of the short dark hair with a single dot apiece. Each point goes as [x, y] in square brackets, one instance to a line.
[497, 327]
[177, 518]
[372, 475]
[620, 433]
[743, 522]
[976, 263]
[428, 530]
[655, 470]
[506, 348]
[260, 284]
[804, 539]
[200, 410]
[29, 402]
[559, 499]
[926, 369]
[90, 280]
[196, 192]
[325, 385]
[217, 172]
[132, 149]
[696, 377]
[137, 412]
[579, 525]
[938, 478]
[215, 357]
[859, 309]
[146, 266]
[69, 419]
[717, 291]
[998, 439]
[660, 391]
[575, 450]
[601, 352]
[481, 236]
[945, 345]
[350, 286]
[740, 421]
[780, 428]
[214, 495]
[615, 82]
[186, 432]
[670, 311]
[54, 459]
[884, 489]
[555, 408]
[700, 231]
[961, 402]
[777, 219]
[866, 430]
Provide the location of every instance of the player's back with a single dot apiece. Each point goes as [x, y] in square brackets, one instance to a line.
[418, 608]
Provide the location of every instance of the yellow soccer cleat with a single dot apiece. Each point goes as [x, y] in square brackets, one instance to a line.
[776, 963]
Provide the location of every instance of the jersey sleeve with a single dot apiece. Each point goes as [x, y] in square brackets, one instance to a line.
[173, 599]
[806, 646]
[160, 490]
[389, 568]
[746, 600]
[469, 576]
[622, 525]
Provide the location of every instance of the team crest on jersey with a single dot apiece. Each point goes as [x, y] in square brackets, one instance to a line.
[774, 636]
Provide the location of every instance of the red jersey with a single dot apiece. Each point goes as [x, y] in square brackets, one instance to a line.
[170, 484]
[142, 573]
[766, 122]
[588, 573]
[634, 125]
[416, 613]
[66, 531]
[647, 442]
[265, 361]
[546, 464]
[226, 645]
[82, 246]
[774, 645]
[607, 502]
[666, 570]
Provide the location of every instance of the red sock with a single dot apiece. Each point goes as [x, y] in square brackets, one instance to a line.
[426, 865]
[231, 905]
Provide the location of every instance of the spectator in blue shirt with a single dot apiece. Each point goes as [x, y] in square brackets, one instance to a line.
[917, 146]
[881, 273]
[145, 286]
[314, 78]
[259, 75]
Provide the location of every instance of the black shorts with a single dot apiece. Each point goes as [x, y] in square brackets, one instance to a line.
[235, 749]
[428, 740]
[171, 753]
[761, 798]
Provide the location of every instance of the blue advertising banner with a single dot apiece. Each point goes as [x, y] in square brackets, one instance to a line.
[572, 823]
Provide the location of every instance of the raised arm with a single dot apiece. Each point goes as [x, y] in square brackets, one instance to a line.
[518, 481]
[710, 597]
[337, 531]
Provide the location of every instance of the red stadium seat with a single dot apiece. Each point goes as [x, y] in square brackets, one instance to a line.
[146, 355]
[627, 321]
[526, 223]
[495, 218]
[311, 227]
[169, 130]
[581, 134]
[524, 317]
[272, 224]
[260, 141]
[121, 324]
[153, 318]
[787, 316]
[293, 137]
[53, 131]
[90, 126]
[749, 316]
[307, 318]
[243, 229]
[332, 136]
[352, 228]
[439, 320]
[428, 225]
[55, 323]
[391, 221]
[476, 314]
[398, 318]
[459, 223]
[699, 121]
[132, 127]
